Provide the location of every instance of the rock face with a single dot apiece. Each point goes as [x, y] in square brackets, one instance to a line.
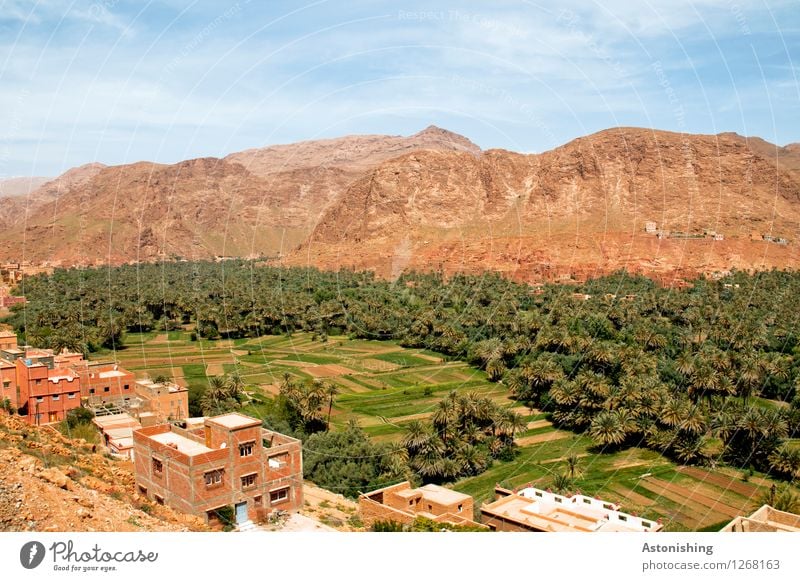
[434, 200]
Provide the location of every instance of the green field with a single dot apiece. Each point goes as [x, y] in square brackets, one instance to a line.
[384, 386]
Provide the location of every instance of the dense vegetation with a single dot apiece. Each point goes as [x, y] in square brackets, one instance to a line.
[702, 375]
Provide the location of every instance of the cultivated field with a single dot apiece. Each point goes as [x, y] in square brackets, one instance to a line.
[384, 386]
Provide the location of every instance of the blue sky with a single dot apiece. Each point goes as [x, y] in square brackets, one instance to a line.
[117, 81]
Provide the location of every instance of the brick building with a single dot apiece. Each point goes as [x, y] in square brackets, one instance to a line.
[104, 382]
[535, 510]
[229, 461]
[36, 388]
[167, 401]
[402, 504]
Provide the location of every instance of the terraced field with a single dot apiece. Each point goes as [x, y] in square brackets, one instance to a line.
[384, 386]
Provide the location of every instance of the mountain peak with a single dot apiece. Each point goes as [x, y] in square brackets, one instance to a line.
[434, 134]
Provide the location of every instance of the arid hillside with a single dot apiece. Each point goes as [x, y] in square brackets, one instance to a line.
[52, 483]
[434, 200]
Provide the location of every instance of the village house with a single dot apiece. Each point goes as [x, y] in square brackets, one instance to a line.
[765, 520]
[35, 385]
[402, 504]
[117, 433]
[228, 461]
[103, 382]
[167, 401]
[535, 510]
[650, 227]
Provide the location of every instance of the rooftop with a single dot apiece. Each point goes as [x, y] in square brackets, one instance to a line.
[765, 519]
[181, 443]
[546, 511]
[442, 495]
[235, 420]
[111, 373]
[149, 384]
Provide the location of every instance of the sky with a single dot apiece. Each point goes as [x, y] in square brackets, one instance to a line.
[116, 81]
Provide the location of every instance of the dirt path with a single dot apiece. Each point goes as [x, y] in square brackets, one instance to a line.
[539, 438]
[538, 424]
[331, 509]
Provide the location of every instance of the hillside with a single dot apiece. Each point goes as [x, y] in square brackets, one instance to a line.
[52, 483]
[434, 200]
[20, 186]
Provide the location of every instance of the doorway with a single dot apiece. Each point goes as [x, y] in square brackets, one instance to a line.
[241, 513]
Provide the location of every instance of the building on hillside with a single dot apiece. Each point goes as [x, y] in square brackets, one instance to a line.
[117, 432]
[535, 510]
[45, 393]
[765, 520]
[103, 383]
[402, 504]
[230, 461]
[168, 401]
[8, 340]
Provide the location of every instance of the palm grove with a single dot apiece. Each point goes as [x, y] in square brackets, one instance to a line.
[702, 375]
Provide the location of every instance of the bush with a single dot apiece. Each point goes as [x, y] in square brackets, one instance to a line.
[79, 416]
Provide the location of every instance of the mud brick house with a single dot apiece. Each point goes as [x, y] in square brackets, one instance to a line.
[535, 510]
[228, 461]
[402, 504]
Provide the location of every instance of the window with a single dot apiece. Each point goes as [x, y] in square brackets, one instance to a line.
[39, 399]
[248, 480]
[214, 477]
[557, 499]
[106, 389]
[126, 386]
[246, 449]
[142, 490]
[56, 397]
[460, 507]
[258, 500]
[537, 493]
[91, 390]
[158, 466]
[279, 460]
[70, 396]
[623, 518]
[279, 495]
[38, 381]
[159, 498]
[587, 501]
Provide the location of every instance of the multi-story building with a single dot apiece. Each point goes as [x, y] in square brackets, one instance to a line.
[167, 401]
[535, 510]
[44, 393]
[228, 461]
[402, 504]
[104, 382]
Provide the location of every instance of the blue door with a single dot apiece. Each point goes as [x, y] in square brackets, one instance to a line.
[241, 513]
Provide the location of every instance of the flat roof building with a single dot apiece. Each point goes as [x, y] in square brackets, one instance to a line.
[765, 520]
[535, 510]
[228, 461]
[402, 504]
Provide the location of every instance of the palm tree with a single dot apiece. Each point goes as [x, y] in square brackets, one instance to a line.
[786, 462]
[331, 390]
[607, 429]
[235, 385]
[572, 465]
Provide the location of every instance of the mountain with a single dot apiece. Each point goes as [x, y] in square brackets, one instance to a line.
[435, 200]
[20, 186]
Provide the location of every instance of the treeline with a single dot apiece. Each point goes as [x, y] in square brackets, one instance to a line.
[703, 374]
